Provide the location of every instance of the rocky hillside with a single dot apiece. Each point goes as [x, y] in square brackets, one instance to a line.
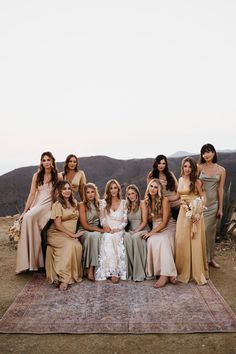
[15, 185]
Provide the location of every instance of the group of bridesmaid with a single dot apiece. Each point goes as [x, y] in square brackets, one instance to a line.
[119, 238]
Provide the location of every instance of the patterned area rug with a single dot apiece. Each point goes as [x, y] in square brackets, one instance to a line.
[127, 307]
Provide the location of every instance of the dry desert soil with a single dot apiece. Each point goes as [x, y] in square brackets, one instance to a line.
[224, 279]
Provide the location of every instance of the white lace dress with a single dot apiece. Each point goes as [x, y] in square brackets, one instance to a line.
[112, 258]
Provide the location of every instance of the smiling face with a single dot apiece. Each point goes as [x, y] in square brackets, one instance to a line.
[132, 195]
[72, 163]
[208, 156]
[114, 190]
[187, 169]
[66, 191]
[153, 188]
[90, 194]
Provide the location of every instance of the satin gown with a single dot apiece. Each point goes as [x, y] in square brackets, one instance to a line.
[91, 239]
[112, 259]
[211, 185]
[64, 254]
[29, 250]
[191, 258]
[136, 248]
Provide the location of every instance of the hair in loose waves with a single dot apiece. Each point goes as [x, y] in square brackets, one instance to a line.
[57, 194]
[66, 163]
[107, 194]
[193, 174]
[136, 202]
[157, 209]
[155, 172]
[41, 173]
[208, 148]
[86, 202]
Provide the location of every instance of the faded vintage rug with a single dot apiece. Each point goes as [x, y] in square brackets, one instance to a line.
[127, 307]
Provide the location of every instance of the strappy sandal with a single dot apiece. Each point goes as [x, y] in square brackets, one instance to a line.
[63, 286]
[56, 283]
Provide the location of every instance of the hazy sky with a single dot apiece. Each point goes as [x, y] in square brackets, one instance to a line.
[126, 79]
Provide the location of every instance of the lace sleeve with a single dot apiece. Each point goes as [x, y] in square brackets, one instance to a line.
[102, 206]
[124, 220]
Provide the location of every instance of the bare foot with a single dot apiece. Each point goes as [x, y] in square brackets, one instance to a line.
[173, 280]
[162, 281]
[115, 279]
[214, 264]
[63, 286]
[91, 274]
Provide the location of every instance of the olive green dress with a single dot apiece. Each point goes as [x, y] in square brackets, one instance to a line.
[136, 248]
[211, 185]
[63, 256]
[91, 239]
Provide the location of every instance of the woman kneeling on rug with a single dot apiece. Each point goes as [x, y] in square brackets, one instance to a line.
[64, 251]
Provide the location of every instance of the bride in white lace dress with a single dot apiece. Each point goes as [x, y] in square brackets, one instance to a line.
[113, 214]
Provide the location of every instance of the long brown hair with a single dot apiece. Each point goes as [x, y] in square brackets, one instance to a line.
[66, 169]
[157, 209]
[41, 173]
[137, 201]
[107, 194]
[193, 174]
[57, 194]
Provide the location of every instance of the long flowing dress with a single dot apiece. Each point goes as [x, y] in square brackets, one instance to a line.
[29, 250]
[160, 251]
[191, 259]
[136, 247]
[91, 239]
[64, 254]
[211, 185]
[112, 259]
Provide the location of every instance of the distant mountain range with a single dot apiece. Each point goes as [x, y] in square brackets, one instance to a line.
[15, 185]
[186, 153]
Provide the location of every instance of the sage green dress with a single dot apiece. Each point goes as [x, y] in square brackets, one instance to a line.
[211, 185]
[91, 239]
[136, 248]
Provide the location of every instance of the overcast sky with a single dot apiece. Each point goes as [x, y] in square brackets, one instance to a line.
[126, 79]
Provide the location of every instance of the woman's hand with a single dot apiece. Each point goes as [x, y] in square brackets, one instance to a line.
[219, 214]
[106, 229]
[147, 235]
[79, 233]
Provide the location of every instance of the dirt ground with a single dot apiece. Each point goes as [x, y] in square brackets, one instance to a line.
[224, 279]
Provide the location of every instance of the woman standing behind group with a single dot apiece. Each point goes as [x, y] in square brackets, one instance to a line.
[191, 259]
[213, 177]
[71, 174]
[64, 251]
[36, 214]
[160, 240]
[89, 221]
[113, 214]
[168, 181]
[135, 245]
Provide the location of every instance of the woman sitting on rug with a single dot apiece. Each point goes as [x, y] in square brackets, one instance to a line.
[64, 251]
[71, 174]
[135, 245]
[36, 215]
[161, 239]
[113, 214]
[89, 221]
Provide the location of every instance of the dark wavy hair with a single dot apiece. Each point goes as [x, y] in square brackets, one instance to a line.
[41, 173]
[66, 169]
[57, 194]
[207, 148]
[155, 172]
[193, 174]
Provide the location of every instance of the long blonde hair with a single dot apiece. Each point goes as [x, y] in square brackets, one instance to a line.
[137, 201]
[96, 199]
[157, 209]
[107, 194]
